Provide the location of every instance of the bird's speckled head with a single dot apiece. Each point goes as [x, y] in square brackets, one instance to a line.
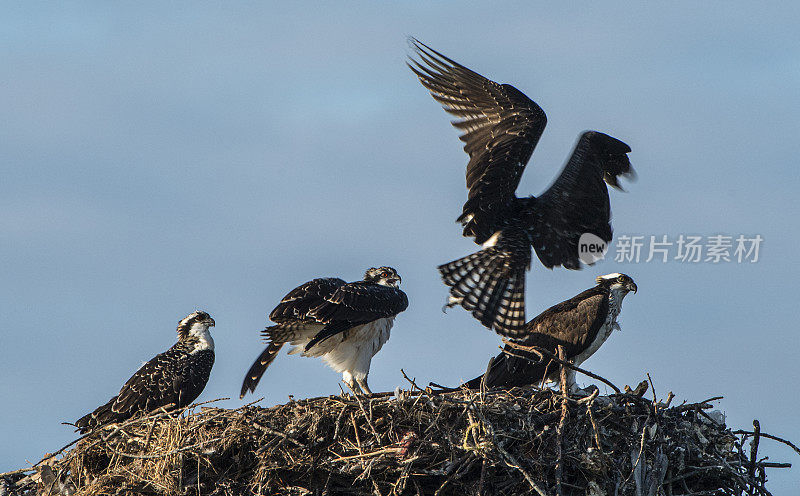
[617, 281]
[385, 276]
[194, 322]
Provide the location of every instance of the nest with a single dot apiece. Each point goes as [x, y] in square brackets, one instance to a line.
[523, 441]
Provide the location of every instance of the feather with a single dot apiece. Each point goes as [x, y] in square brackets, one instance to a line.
[500, 128]
[358, 315]
[172, 379]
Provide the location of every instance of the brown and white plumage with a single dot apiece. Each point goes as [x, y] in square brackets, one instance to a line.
[343, 323]
[500, 129]
[580, 324]
[172, 379]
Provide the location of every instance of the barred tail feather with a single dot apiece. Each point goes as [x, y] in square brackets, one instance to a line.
[487, 284]
[259, 367]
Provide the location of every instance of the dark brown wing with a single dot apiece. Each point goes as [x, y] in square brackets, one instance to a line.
[354, 304]
[577, 202]
[500, 125]
[170, 379]
[151, 386]
[292, 312]
[361, 302]
[572, 324]
[301, 300]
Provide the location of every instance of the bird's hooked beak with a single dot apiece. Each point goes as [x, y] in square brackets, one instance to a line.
[632, 287]
[394, 281]
[210, 322]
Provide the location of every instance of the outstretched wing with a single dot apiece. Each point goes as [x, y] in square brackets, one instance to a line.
[577, 202]
[355, 304]
[500, 125]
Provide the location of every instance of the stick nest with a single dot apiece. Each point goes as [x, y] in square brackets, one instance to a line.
[420, 442]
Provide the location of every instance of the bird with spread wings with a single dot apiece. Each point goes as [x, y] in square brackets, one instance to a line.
[500, 128]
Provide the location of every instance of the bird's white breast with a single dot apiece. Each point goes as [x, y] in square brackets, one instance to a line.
[204, 339]
[376, 333]
[602, 335]
[610, 323]
[354, 353]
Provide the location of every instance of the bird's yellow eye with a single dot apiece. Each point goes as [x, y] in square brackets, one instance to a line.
[384, 274]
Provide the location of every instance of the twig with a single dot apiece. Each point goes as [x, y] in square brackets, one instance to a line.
[368, 418]
[18, 471]
[544, 353]
[764, 464]
[595, 430]
[508, 457]
[513, 463]
[52, 455]
[277, 433]
[413, 384]
[751, 470]
[652, 388]
[149, 433]
[162, 455]
[482, 386]
[562, 421]
[355, 431]
[388, 449]
[151, 416]
[770, 436]
[638, 458]
[455, 472]
[701, 405]
[249, 404]
[479, 492]
[338, 423]
[744, 482]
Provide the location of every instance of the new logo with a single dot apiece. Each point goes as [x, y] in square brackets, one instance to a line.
[591, 248]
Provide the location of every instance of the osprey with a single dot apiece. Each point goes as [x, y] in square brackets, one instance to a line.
[501, 127]
[345, 324]
[581, 325]
[172, 379]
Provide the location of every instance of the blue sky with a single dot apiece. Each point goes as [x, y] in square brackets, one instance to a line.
[155, 161]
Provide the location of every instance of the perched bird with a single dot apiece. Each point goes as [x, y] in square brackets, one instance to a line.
[172, 379]
[345, 324]
[581, 325]
[501, 127]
